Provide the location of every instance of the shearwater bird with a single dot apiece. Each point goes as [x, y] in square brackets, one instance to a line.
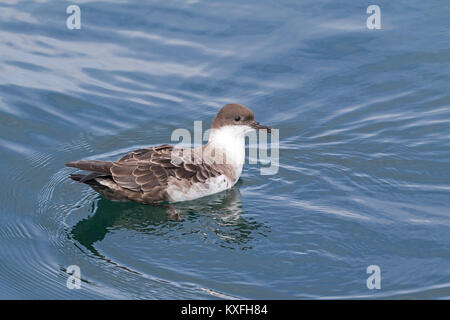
[169, 174]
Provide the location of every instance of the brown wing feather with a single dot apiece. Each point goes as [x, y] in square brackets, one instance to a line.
[139, 172]
[148, 170]
[146, 153]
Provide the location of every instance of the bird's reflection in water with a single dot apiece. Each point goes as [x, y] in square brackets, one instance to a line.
[219, 218]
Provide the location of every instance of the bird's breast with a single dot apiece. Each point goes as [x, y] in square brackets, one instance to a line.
[183, 190]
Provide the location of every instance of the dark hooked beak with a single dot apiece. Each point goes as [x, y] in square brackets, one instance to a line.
[257, 126]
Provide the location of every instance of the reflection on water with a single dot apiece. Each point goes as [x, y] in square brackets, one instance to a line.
[223, 211]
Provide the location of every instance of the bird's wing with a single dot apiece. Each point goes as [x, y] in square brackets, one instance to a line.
[146, 152]
[148, 170]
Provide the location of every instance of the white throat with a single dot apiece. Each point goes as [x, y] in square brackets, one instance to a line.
[231, 140]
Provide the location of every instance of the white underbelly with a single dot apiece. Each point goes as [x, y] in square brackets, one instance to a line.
[184, 192]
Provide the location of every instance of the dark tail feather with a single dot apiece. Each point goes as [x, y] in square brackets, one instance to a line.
[77, 177]
[88, 179]
[92, 165]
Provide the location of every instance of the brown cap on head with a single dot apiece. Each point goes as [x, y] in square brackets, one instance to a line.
[234, 114]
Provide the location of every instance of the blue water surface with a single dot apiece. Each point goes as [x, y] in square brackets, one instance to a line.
[364, 120]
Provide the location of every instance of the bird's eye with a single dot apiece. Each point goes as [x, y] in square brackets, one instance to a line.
[237, 118]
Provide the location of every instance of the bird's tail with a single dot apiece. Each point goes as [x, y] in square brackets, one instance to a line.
[92, 165]
[88, 178]
[77, 177]
[97, 168]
